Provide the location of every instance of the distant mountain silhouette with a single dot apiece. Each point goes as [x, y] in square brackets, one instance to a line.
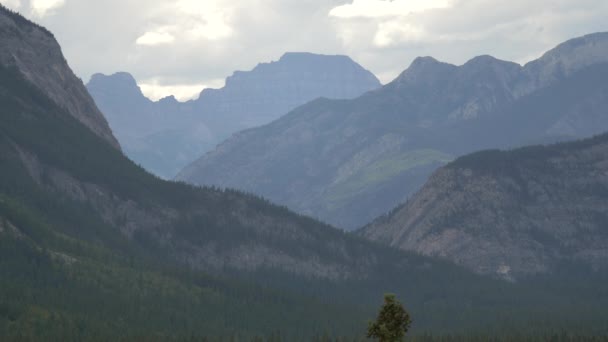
[165, 136]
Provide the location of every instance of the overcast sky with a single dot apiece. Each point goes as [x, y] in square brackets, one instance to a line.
[180, 46]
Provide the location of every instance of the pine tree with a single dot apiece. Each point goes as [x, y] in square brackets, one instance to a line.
[392, 322]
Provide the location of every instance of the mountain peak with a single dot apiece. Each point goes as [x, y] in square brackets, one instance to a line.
[122, 78]
[487, 60]
[586, 49]
[423, 61]
[588, 40]
[293, 67]
[170, 98]
[117, 85]
[424, 70]
[492, 67]
[305, 62]
[309, 56]
[570, 57]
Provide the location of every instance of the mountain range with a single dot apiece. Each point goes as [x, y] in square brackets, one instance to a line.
[93, 247]
[347, 162]
[166, 135]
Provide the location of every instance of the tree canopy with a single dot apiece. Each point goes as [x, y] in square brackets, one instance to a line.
[392, 323]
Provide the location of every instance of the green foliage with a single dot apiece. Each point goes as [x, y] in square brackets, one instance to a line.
[393, 321]
[381, 171]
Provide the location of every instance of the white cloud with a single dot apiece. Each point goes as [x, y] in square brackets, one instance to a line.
[155, 90]
[155, 38]
[204, 19]
[395, 21]
[12, 4]
[394, 31]
[198, 21]
[42, 8]
[386, 8]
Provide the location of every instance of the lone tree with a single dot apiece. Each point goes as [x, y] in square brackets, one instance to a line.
[392, 322]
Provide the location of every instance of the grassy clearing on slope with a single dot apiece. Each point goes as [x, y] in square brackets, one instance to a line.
[381, 171]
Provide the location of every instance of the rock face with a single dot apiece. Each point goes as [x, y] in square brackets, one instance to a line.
[512, 214]
[46, 67]
[347, 162]
[165, 136]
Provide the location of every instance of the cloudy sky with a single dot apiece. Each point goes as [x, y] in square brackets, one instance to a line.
[180, 46]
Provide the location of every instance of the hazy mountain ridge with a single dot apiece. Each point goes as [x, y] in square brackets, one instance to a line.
[348, 162]
[166, 135]
[513, 213]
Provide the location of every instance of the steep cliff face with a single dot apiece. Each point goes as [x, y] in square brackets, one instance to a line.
[511, 214]
[36, 54]
[348, 162]
[167, 135]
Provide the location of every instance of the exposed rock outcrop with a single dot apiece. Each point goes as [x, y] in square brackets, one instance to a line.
[36, 54]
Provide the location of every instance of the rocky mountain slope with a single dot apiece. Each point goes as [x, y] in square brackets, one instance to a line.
[347, 162]
[46, 67]
[166, 135]
[511, 213]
